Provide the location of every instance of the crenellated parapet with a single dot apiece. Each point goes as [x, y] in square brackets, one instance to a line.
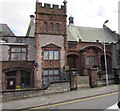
[50, 9]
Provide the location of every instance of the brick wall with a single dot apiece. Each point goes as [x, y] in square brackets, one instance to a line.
[21, 94]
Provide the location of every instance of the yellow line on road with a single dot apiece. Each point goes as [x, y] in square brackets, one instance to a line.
[73, 101]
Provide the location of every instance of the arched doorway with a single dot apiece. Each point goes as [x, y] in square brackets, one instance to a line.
[72, 61]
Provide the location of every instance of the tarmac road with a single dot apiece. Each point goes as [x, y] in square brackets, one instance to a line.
[66, 96]
[96, 102]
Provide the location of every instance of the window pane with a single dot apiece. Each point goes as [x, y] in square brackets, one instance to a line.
[23, 56]
[45, 55]
[45, 72]
[18, 49]
[51, 27]
[51, 55]
[23, 49]
[18, 56]
[51, 72]
[13, 49]
[56, 55]
[13, 56]
[56, 78]
[51, 78]
[90, 60]
[56, 72]
[46, 81]
[18, 53]
[57, 27]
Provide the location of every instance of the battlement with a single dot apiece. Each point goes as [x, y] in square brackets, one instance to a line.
[50, 8]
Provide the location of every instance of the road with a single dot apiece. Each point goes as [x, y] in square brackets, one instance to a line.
[96, 102]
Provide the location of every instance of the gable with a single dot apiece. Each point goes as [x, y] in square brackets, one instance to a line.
[5, 30]
[51, 45]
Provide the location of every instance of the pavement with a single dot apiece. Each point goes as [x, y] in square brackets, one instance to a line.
[59, 97]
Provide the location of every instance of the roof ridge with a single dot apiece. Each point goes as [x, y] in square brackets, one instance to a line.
[87, 27]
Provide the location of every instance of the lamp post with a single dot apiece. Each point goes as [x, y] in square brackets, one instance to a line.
[105, 54]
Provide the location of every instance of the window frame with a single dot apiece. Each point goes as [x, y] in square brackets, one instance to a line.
[57, 27]
[90, 60]
[46, 27]
[17, 53]
[51, 54]
[51, 27]
[49, 76]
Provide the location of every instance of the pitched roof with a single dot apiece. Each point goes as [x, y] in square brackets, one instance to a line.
[5, 30]
[89, 34]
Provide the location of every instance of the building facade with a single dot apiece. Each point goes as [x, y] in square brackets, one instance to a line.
[50, 43]
[38, 59]
[17, 60]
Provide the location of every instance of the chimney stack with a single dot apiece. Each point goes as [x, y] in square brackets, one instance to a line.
[32, 17]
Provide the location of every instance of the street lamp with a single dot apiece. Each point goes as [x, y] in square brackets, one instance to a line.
[105, 54]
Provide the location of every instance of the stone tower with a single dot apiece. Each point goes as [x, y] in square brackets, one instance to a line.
[50, 43]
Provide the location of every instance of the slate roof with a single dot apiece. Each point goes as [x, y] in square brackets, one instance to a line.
[87, 34]
[5, 30]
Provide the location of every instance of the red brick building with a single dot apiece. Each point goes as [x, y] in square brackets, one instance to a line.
[39, 58]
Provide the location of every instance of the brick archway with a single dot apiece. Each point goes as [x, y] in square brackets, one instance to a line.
[15, 76]
[73, 60]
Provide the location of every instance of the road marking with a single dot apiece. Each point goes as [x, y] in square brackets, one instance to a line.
[74, 101]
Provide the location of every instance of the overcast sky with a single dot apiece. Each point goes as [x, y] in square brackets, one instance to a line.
[87, 13]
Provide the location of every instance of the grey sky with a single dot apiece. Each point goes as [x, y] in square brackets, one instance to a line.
[88, 13]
